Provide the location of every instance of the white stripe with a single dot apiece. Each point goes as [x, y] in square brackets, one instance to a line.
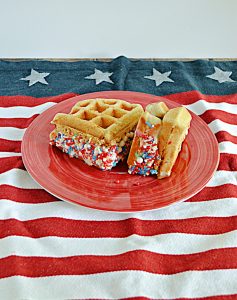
[18, 178]
[228, 147]
[122, 284]
[22, 179]
[9, 154]
[172, 243]
[200, 106]
[214, 208]
[223, 177]
[11, 133]
[24, 111]
[218, 125]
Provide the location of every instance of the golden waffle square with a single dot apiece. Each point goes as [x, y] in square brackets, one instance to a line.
[105, 119]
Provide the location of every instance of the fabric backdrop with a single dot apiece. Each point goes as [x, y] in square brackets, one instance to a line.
[50, 249]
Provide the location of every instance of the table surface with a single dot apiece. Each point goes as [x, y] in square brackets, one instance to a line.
[50, 249]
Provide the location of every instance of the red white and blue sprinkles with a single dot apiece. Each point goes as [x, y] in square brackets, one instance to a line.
[105, 157]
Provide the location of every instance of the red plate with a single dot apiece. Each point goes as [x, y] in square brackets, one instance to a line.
[70, 179]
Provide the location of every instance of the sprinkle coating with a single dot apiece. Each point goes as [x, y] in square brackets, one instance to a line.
[105, 157]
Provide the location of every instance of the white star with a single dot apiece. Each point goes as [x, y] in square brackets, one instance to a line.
[100, 76]
[221, 76]
[159, 77]
[35, 77]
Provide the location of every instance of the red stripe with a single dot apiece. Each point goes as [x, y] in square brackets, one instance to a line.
[15, 146]
[18, 100]
[25, 195]
[214, 193]
[17, 122]
[41, 196]
[138, 260]
[62, 227]
[224, 136]
[193, 96]
[8, 163]
[220, 297]
[228, 162]
[212, 114]
[182, 98]
[10, 146]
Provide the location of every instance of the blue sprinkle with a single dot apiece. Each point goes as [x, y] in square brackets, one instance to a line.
[114, 163]
[149, 124]
[124, 148]
[94, 157]
[149, 156]
[153, 171]
[141, 171]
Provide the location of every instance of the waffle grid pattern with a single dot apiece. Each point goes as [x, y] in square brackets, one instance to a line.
[102, 112]
[104, 119]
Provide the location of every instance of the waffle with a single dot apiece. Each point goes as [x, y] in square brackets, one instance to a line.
[144, 150]
[104, 119]
[158, 109]
[175, 125]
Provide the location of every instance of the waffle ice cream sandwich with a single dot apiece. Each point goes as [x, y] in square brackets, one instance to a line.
[98, 131]
[175, 125]
[144, 150]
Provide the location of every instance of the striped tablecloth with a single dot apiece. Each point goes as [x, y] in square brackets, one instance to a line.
[50, 249]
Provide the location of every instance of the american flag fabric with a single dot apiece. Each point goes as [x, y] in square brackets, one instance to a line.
[50, 249]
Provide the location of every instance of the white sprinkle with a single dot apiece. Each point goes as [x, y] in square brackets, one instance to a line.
[139, 160]
[99, 162]
[150, 163]
[88, 161]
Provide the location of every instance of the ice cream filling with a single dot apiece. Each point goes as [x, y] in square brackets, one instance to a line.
[146, 155]
[103, 156]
